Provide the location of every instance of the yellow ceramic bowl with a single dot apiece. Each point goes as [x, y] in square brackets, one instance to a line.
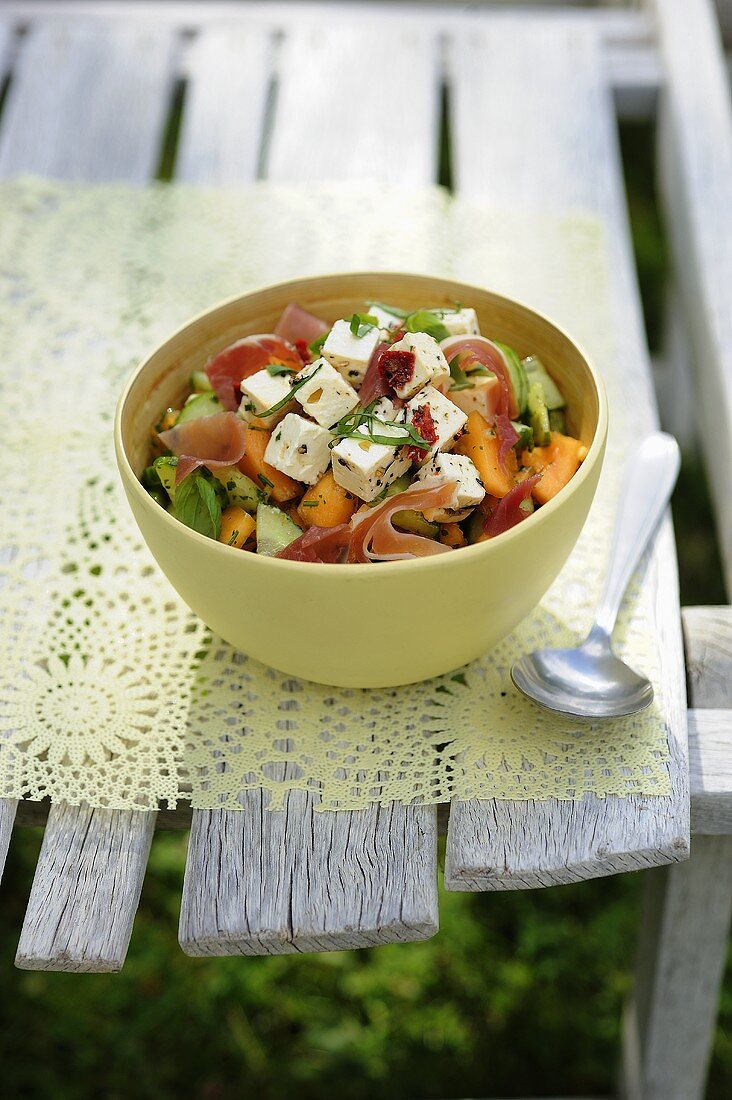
[362, 625]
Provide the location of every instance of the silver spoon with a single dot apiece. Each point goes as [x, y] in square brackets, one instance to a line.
[590, 681]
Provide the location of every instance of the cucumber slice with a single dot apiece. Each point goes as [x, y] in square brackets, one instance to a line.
[275, 530]
[416, 523]
[517, 374]
[538, 414]
[525, 436]
[537, 372]
[159, 496]
[557, 421]
[240, 489]
[408, 520]
[200, 382]
[164, 467]
[474, 526]
[200, 404]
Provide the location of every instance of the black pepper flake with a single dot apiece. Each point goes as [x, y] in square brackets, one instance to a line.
[302, 449]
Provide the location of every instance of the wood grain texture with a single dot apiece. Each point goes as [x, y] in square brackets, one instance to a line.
[343, 111]
[87, 101]
[85, 890]
[272, 882]
[695, 155]
[669, 1024]
[708, 644]
[227, 71]
[8, 807]
[534, 128]
[710, 772]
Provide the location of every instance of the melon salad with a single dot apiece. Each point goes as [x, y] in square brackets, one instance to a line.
[389, 434]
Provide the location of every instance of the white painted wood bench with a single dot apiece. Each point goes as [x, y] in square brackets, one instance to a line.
[578, 71]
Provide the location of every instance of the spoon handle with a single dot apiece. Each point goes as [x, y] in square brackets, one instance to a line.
[650, 477]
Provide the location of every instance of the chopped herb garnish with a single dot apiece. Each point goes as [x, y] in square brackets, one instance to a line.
[460, 380]
[278, 369]
[266, 481]
[361, 323]
[286, 400]
[400, 313]
[309, 503]
[426, 320]
[316, 346]
[348, 428]
[234, 537]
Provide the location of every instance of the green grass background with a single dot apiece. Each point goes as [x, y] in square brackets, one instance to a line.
[520, 994]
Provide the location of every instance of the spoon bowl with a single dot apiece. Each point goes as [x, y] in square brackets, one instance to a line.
[589, 682]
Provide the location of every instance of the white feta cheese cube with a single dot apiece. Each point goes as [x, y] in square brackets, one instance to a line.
[386, 320]
[261, 391]
[350, 354]
[427, 365]
[326, 396]
[299, 449]
[385, 409]
[365, 468]
[461, 322]
[469, 490]
[447, 418]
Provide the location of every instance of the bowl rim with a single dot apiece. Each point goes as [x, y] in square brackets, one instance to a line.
[594, 454]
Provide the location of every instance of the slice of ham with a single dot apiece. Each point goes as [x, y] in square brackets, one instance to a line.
[210, 441]
[326, 545]
[508, 512]
[370, 535]
[374, 385]
[374, 538]
[227, 369]
[484, 352]
[297, 324]
[508, 437]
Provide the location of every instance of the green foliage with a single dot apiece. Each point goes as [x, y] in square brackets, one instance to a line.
[519, 994]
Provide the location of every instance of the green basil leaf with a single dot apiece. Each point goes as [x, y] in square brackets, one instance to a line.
[197, 505]
[361, 323]
[425, 320]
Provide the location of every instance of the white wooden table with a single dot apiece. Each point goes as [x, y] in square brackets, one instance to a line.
[546, 87]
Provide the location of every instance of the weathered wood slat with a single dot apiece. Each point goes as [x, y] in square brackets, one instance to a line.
[669, 1023]
[88, 101]
[8, 807]
[228, 69]
[268, 882]
[85, 890]
[695, 154]
[710, 771]
[534, 127]
[260, 881]
[343, 112]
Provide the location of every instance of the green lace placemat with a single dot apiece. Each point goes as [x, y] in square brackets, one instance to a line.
[112, 692]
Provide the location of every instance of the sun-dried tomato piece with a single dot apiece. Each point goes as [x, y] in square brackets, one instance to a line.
[397, 367]
[422, 422]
